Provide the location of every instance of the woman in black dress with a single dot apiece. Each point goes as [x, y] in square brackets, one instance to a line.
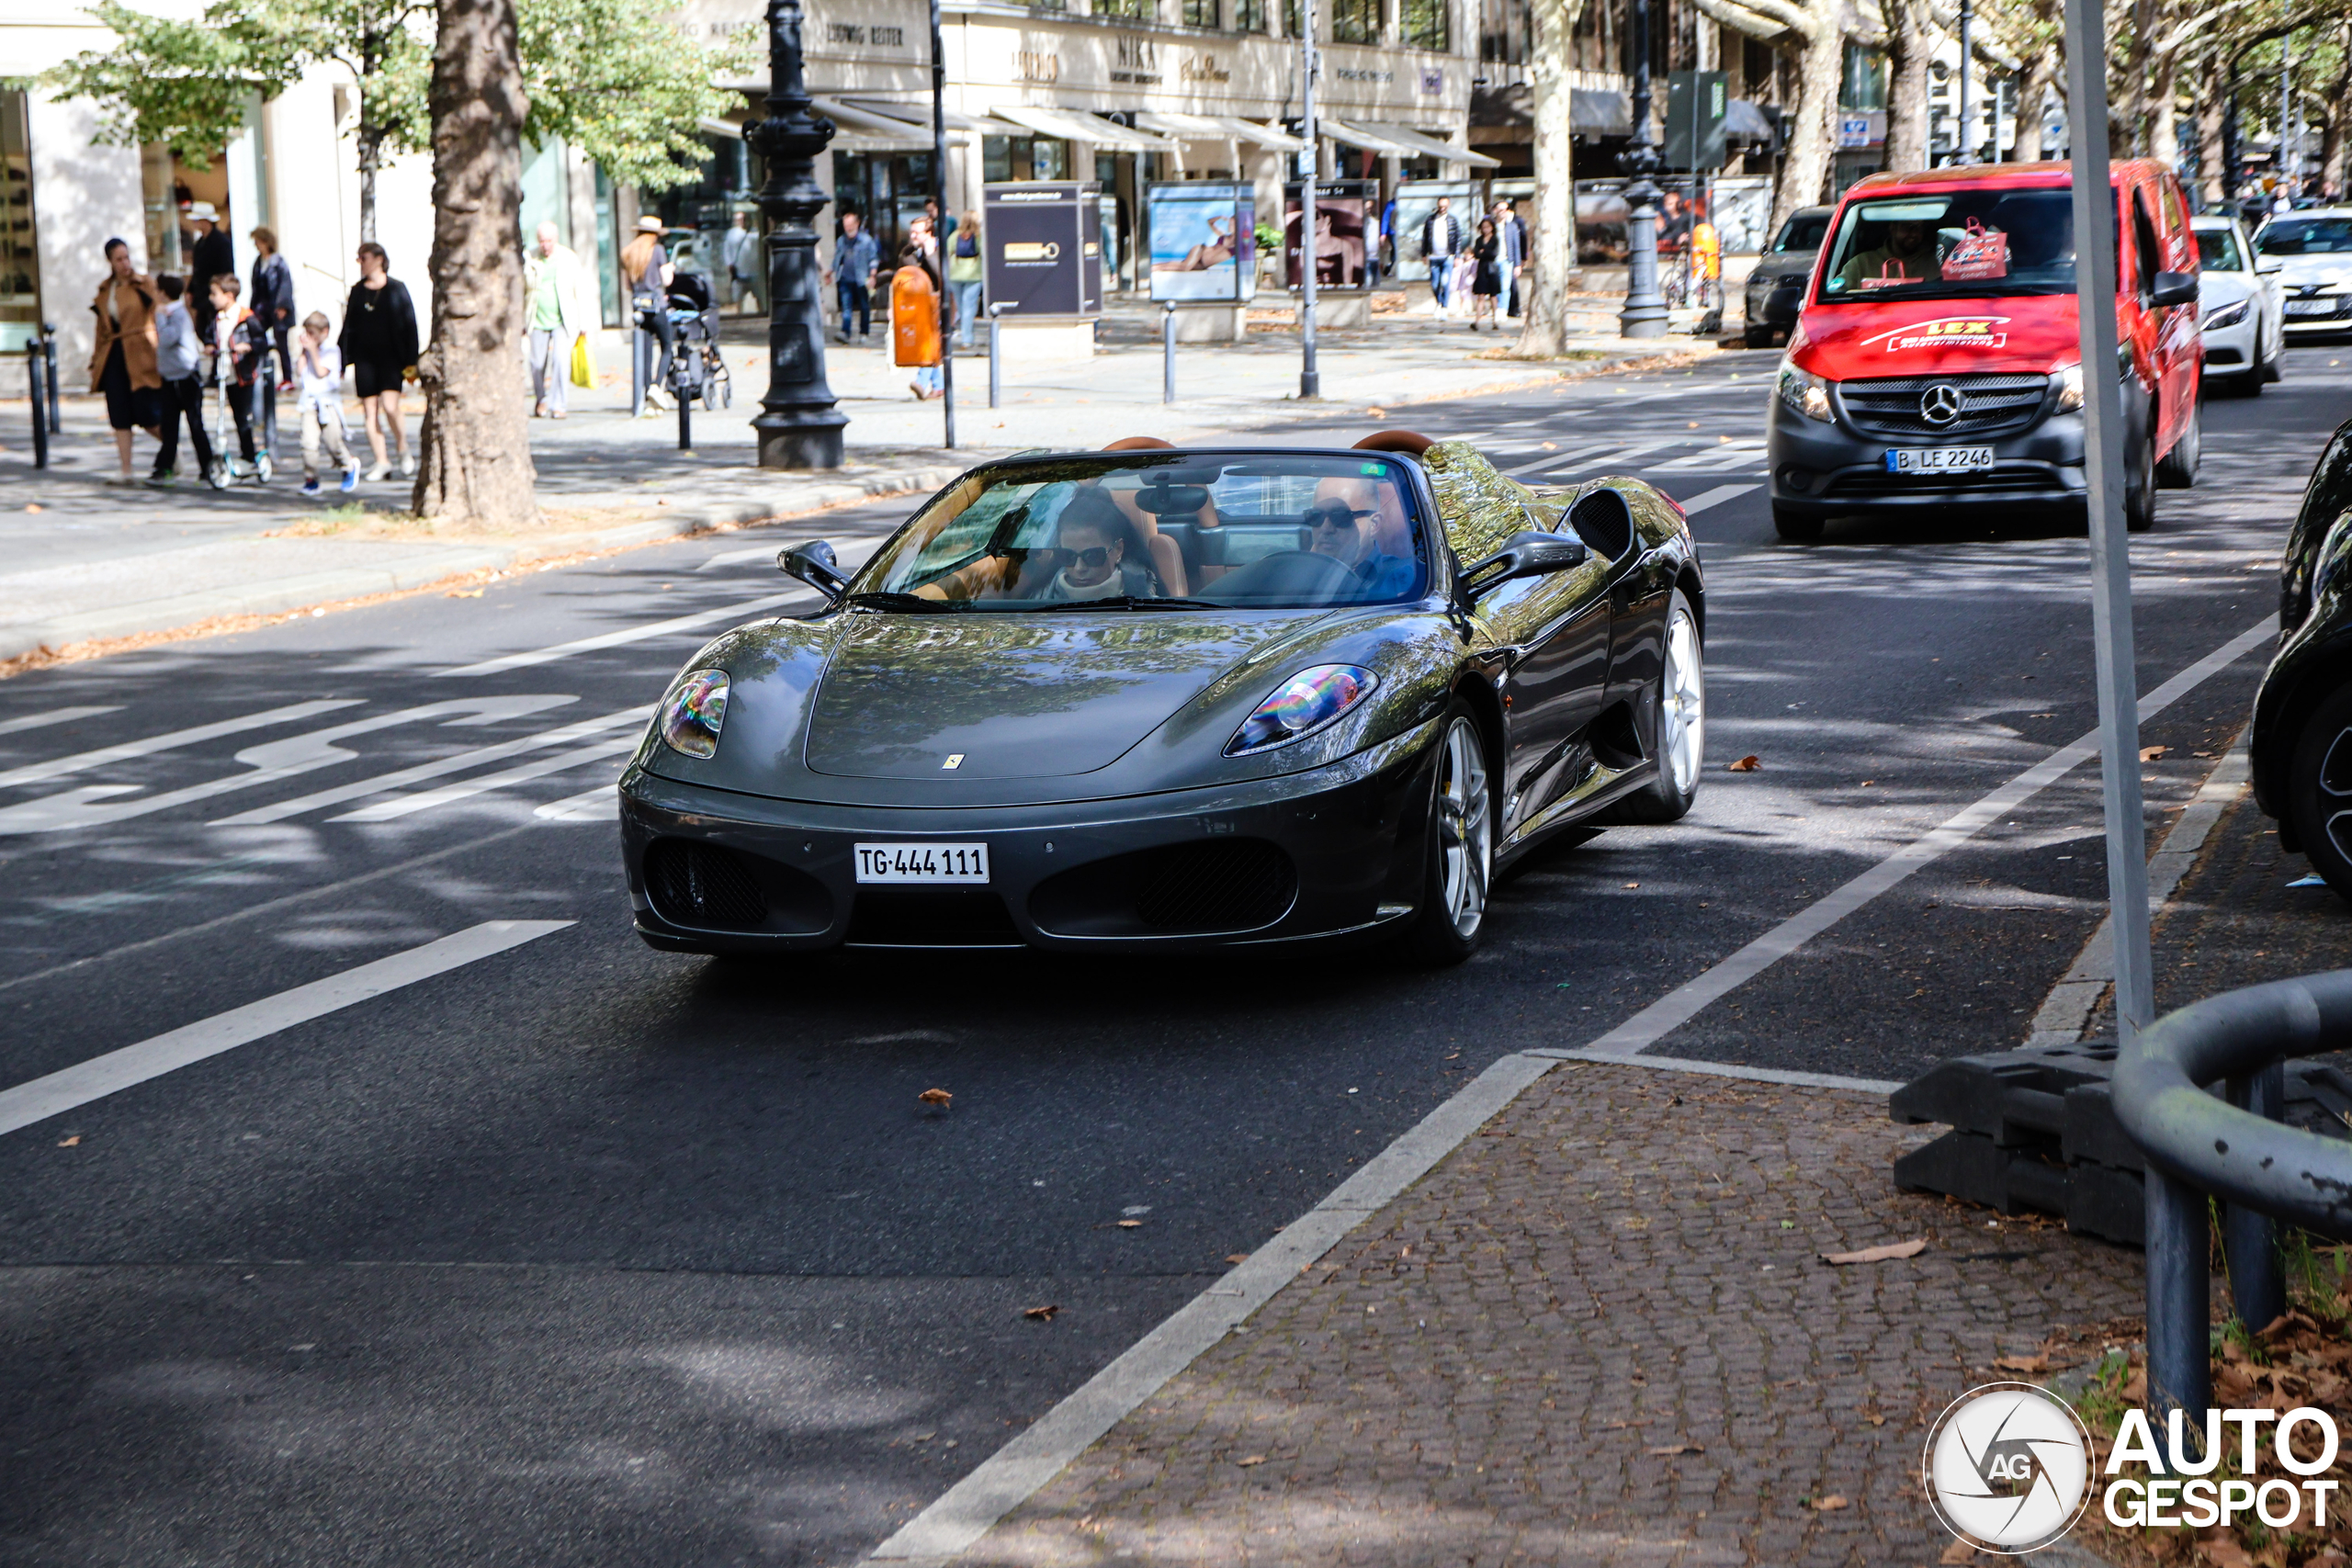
[1487, 253]
[380, 344]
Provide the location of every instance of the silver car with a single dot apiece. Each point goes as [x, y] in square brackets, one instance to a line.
[2315, 248]
[2239, 300]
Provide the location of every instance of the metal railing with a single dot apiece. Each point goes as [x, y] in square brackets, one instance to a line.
[2236, 1150]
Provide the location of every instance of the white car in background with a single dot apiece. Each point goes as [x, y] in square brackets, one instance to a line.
[2239, 304]
[2314, 247]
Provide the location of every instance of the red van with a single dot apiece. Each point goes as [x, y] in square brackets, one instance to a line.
[1935, 362]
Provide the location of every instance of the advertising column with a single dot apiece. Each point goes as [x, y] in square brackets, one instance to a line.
[1202, 251]
[1045, 268]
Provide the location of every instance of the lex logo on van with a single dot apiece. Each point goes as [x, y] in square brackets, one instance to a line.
[1946, 332]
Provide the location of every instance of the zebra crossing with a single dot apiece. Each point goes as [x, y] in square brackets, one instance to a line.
[1648, 455]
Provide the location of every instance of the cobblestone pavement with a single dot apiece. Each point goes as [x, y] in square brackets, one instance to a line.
[1599, 1334]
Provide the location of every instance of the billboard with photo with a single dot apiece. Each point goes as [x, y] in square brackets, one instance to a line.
[1347, 225]
[1203, 235]
[1043, 239]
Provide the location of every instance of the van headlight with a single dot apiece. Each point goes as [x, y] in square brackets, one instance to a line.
[2070, 388]
[694, 712]
[2227, 316]
[1805, 392]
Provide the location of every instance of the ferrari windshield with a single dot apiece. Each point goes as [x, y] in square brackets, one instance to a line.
[1950, 245]
[1158, 530]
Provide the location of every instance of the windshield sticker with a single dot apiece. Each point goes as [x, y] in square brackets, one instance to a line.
[1946, 332]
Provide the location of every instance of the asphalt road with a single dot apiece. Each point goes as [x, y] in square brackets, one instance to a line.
[571, 1251]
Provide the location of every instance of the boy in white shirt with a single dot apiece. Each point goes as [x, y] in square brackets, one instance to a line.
[318, 366]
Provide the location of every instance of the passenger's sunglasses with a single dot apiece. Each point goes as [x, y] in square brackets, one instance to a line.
[1334, 515]
[1093, 559]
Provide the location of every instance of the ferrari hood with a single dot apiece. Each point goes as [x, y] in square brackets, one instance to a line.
[1008, 697]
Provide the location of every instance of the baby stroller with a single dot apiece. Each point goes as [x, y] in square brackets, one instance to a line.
[697, 369]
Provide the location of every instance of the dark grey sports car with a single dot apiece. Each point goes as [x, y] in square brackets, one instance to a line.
[1162, 697]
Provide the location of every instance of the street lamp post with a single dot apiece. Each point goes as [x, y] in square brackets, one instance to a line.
[798, 426]
[1966, 151]
[1310, 380]
[1644, 311]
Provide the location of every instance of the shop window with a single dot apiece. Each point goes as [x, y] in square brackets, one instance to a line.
[1595, 40]
[1355, 22]
[1199, 12]
[1140, 10]
[1425, 24]
[1291, 24]
[19, 259]
[1023, 158]
[1250, 16]
[1863, 85]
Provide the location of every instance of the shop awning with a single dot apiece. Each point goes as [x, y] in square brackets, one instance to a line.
[1743, 121]
[1426, 146]
[857, 131]
[1219, 127]
[919, 115]
[1600, 113]
[1075, 125]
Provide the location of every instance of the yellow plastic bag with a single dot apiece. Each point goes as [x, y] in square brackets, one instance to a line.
[583, 363]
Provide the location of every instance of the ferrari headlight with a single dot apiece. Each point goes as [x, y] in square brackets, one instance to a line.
[694, 711]
[1301, 706]
[2227, 316]
[2070, 388]
[1805, 392]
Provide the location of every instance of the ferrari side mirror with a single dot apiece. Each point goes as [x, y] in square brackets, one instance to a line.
[814, 564]
[2173, 288]
[1531, 554]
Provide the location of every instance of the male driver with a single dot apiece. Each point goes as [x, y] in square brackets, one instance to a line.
[1441, 242]
[1908, 256]
[1349, 522]
[855, 257]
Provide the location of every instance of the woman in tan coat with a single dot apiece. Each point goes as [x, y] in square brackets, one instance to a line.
[122, 363]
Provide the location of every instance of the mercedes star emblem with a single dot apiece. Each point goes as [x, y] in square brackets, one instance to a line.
[1940, 403]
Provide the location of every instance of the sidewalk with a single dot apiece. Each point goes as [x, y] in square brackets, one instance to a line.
[90, 562]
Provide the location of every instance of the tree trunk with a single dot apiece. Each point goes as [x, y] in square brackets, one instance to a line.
[1805, 171]
[1551, 239]
[2164, 108]
[2332, 140]
[2211, 106]
[1908, 46]
[2044, 69]
[476, 462]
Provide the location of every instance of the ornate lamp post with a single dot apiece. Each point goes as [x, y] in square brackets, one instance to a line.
[1644, 311]
[798, 426]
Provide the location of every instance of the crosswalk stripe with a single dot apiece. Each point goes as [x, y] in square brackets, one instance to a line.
[83, 761]
[649, 629]
[58, 1092]
[409, 805]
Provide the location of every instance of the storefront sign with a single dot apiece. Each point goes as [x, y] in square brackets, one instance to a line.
[1042, 240]
[1036, 66]
[1202, 240]
[1202, 68]
[1134, 62]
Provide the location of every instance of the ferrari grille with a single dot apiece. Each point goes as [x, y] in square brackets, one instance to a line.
[1214, 887]
[1990, 405]
[704, 886]
[930, 916]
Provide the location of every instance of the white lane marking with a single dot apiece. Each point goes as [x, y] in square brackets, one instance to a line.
[602, 804]
[83, 761]
[728, 557]
[1679, 1006]
[101, 1076]
[1010, 1476]
[1744, 453]
[277, 811]
[1716, 497]
[625, 635]
[55, 715]
[408, 805]
[82, 806]
[1566, 455]
[1730, 1070]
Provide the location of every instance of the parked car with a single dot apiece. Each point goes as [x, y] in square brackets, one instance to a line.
[1937, 362]
[1776, 288]
[1154, 699]
[2314, 251]
[2300, 741]
[2239, 308]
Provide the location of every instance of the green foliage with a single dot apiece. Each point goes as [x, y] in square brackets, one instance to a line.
[183, 83]
[616, 80]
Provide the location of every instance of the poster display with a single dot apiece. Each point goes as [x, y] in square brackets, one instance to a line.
[1043, 244]
[1347, 225]
[1202, 239]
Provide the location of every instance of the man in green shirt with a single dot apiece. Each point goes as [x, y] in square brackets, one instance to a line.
[1908, 256]
[555, 310]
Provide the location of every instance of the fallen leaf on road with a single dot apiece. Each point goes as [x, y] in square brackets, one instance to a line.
[1632, 885]
[1675, 1449]
[1956, 1553]
[1875, 1419]
[2205, 754]
[1911, 1249]
[2034, 1363]
[2150, 754]
[934, 1097]
[463, 593]
[1237, 1258]
[68, 1143]
[1129, 1224]
[1747, 764]
[1548, 447]
[1043, 1313]
[1377, 414]
[1253, 1458]
[1831, 1504]
[32, 506]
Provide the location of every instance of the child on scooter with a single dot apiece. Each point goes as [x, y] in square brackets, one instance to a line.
[236, 355]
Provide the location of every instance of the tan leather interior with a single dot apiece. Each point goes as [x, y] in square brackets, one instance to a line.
[1408, 442]
[1166, 558]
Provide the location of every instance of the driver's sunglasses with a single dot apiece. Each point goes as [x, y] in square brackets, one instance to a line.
[1333, 514]
[1093, 559]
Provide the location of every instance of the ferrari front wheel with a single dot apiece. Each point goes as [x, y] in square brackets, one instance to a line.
[1678, 734]
[2319, 791]
[1459, 848]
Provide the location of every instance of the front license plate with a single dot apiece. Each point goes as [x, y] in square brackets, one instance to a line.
[923, 863]
[2311, 306]
[1937, 459]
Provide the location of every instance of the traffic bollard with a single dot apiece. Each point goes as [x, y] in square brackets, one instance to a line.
[49, 358]
[1167, 353]
[685, 417]
[39, 399]
[996, 356]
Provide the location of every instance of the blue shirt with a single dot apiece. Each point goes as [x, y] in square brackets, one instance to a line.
[855, 257]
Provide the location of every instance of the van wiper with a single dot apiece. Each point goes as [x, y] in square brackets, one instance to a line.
[1127, 602]
[913, 603]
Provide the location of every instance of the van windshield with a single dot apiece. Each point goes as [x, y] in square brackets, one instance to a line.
[1949, 244]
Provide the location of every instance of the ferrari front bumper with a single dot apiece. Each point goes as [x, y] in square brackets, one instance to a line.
[1335, 852]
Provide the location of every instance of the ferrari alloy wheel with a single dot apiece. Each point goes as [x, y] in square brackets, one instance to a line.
[1677, 732]
[1461, 849]
[2319, 791]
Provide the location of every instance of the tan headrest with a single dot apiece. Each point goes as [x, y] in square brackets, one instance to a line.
[1141, 443]
[1404, 441]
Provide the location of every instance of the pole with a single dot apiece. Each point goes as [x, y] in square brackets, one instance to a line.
[2230, 140]
[36, 397]
[685, 400]
[798, 426]
[1167, 353]
[635, 362]
[48, 362]
[2178, 1374]
[1310, 381]
[1966, 151]
[1644, 312]
[996, 357]
[938, 195]
[2249, 1237]
[2286, 102]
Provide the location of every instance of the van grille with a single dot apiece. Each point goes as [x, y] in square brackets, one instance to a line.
[1990, 406]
